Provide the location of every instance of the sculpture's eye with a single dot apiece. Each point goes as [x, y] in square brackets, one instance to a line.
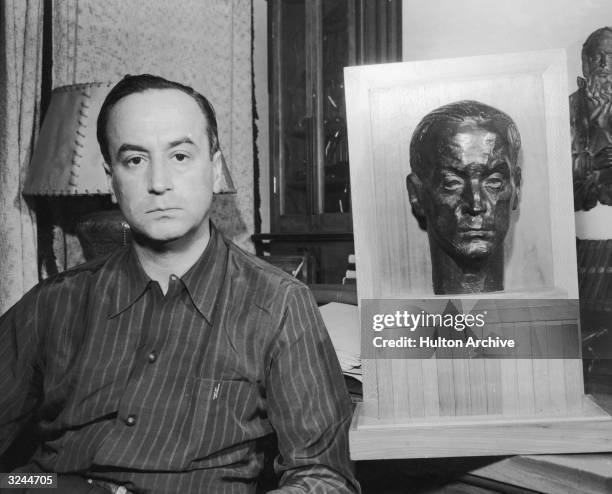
[450, 181]
[452, 184]
[495, 181]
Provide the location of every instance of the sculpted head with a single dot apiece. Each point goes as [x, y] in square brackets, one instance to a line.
[597, 57]
[464, 183]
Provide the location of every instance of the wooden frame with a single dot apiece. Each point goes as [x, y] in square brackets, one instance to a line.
[384, 104]
[540, 252]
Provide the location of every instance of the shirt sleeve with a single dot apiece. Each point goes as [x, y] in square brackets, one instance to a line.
[18, 369]
[309, 407]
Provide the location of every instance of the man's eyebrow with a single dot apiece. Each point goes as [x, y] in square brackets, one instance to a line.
[183, 140]
[135, 147]
[130, 147]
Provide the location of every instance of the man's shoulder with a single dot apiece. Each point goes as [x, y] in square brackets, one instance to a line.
[66, 287]
[273, 285]
[80, 277]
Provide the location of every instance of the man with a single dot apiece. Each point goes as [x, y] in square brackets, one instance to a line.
[166, 366]
[464, 183]
[591, 123]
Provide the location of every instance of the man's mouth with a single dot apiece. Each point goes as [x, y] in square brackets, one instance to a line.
[162, 210]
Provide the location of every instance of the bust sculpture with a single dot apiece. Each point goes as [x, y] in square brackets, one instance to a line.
[464, 183]
[591, 123]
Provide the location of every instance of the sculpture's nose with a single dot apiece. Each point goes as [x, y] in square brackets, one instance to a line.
[473, 202]
[603, 60]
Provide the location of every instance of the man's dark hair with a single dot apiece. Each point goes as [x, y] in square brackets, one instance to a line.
[436, 124]
[131, 84]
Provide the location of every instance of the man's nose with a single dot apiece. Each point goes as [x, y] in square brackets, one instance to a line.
[160, 180]
[472, 199]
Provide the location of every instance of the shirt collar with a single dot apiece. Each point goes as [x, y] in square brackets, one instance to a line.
[203, 280]
[132, 281]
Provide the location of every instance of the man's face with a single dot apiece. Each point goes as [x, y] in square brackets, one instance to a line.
[470, 191]
[162, 174]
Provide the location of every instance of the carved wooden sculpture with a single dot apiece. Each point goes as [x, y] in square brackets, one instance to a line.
[591, 123]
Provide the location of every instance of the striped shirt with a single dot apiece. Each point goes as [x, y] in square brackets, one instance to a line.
[177, 392]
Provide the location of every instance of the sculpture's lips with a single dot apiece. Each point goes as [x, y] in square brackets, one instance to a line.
[486, 234]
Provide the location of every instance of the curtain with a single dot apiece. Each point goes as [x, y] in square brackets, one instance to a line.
[205, 44]
[20, 81]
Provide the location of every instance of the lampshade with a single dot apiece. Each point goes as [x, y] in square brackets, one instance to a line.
[67, 159]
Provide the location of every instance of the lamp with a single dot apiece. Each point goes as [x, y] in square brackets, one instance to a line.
[67, 162]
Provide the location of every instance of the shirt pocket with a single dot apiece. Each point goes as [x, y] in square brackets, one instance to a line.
[225, 413]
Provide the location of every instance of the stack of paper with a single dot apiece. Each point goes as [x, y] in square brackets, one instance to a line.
[342, 322]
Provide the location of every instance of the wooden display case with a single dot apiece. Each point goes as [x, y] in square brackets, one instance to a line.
[542, 405]
[310, 43]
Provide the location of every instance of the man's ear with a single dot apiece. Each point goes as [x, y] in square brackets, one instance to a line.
[517, 187]
[109, 180]
[217, 164]
[415, 194]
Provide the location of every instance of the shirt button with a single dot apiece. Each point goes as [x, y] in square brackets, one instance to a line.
[130, 420]
[152, 357]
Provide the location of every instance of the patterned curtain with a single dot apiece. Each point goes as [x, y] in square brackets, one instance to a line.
[20, 81]
[205, 44]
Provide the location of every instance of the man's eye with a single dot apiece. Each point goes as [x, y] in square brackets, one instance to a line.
[134, 161]
[180, 157]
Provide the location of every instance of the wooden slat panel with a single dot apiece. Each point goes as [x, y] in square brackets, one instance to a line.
[431, 393]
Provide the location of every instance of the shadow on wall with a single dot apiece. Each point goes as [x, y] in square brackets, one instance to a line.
[227, 217]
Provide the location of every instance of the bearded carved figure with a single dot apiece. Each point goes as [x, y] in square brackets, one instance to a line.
[591, 123]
